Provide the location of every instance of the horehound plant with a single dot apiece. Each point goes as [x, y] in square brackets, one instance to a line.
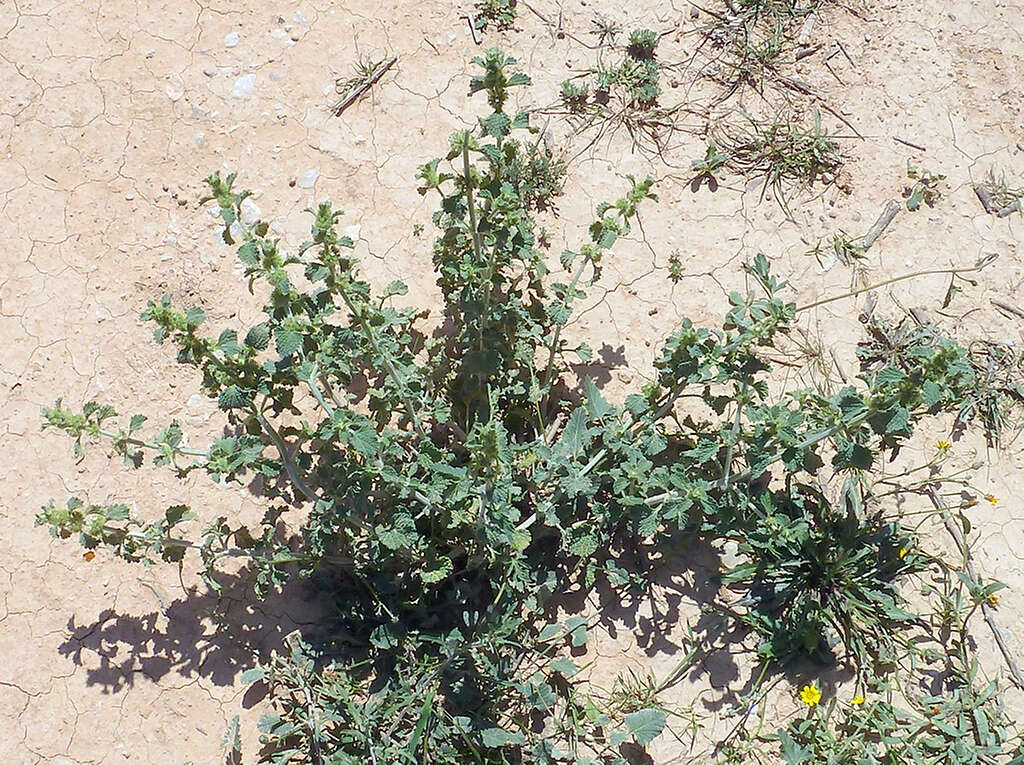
[478, 479]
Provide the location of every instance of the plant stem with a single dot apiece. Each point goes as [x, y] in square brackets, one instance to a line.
[553, 350]
[887, 282]
[150, 445]
[475, 236]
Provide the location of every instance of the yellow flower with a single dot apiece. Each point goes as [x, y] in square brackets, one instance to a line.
[903, 553]
[858, 700]
[993, 599]
[810, 694]
[943, 446]
[992, 499]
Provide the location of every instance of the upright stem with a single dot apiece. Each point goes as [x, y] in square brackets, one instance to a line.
[475, 235]
[553, 350]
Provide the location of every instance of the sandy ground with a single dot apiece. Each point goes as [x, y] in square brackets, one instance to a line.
[112, 111]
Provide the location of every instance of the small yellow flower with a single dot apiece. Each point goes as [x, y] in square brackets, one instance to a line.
[992, 499]
[993, 599]
[943, 446]
[858, 700]
[88, 556]
[810, 694]
[903, 553]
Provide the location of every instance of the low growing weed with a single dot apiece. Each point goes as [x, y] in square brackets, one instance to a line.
[478, 479]
[926, 187]
[783, 151]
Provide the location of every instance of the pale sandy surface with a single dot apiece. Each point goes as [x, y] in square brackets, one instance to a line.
[112, 111]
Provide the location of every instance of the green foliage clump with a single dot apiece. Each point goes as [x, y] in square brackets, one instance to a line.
[498, 13]
[642, 44]
[459, 476]
[926, 187]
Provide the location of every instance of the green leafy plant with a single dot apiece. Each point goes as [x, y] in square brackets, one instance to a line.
[456, 476]
[642, 44]
[706, 167]
[498, 13]
[926, 187]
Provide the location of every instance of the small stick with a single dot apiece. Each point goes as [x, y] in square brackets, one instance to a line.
[1013, 207]
[833, 71]
[1008, 308]
[897, 139]
[958, 538]
[352, 97]
[890, 211]
[810, 50]
[986, 198]
[805, 31]
[471, 20]
[843, 49]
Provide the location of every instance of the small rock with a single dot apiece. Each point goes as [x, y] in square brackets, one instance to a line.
[175, 88]
[210, 71]
[450, 38]
[295, 37]
[198, 139]
[244, 87]
[231, 39]
[307, 179]
[250, 212]
[359, 139]
[694, 11]
[235, 229]
[298, 18]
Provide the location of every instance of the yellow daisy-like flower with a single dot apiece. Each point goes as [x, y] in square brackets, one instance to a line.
[992, 499]
[993, 599]
[903, 552]
[943, 446]
[857, 700]
[810, 694]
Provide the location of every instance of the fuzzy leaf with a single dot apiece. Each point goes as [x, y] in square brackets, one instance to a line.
[258, 337]
[233, 397]
[645, 725]
[287, 341]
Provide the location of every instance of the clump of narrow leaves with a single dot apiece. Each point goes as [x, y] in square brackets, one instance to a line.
[457, 475]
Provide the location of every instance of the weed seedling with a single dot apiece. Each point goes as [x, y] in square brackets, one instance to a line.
[500, 14]
[925, 188]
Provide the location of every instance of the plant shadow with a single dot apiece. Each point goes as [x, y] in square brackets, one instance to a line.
[199, 634]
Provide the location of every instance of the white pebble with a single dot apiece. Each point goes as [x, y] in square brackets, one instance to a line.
[244, 86]
[307, 179]
[250, 212]
[231, 39]
[175, 88]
